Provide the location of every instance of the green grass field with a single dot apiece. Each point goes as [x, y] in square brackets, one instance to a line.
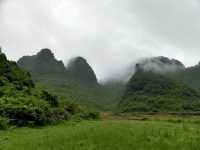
[168, 134]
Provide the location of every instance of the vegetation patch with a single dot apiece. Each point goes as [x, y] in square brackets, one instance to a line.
[23, 104]
[106, 135]
[152, 92]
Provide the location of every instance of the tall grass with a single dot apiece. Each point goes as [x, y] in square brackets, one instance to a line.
[106, 135]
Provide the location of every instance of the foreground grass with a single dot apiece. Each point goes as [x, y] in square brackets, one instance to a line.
[106, 135]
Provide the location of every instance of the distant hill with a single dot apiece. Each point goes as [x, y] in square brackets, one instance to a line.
[174, 69]
[80, 69]
[77, 81]
[152, 89]
[43, 62]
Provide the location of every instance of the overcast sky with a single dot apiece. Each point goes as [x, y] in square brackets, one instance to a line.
[111, 34]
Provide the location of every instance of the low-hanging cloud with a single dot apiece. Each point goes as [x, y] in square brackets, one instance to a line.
[160, 65]
[111, 34]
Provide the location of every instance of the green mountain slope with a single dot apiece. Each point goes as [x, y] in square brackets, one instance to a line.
[82, 71]
[76, 82]
[190, 76]
[150, 90]
[174, 69]
[21, 103]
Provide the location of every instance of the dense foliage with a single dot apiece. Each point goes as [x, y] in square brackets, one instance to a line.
[152, 92]
[21, 103]
[103, 97]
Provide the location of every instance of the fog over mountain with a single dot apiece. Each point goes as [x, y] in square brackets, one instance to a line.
[110, 34]
[160, 65]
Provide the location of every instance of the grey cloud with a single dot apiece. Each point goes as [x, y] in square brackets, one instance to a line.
[111, 34]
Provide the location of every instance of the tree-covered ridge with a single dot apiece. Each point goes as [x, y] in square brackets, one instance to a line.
[9, 71]
[150, 91]
[173, 68]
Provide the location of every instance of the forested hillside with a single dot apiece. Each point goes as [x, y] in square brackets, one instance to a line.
[153, 89]
[77, 81]
[22, 103]
[190, 76]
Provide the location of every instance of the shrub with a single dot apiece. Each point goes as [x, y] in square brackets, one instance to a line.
[25, 111]
[25, 115]
[57, 115]
[90, 115]
[4, 123]
[52, 100]
[72, 108]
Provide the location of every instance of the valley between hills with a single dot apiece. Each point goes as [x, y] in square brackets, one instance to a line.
[45, 104]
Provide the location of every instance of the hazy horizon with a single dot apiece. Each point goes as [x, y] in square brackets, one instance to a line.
[110, 34]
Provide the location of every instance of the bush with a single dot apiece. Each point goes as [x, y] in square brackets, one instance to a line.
[57, 115]
[25, 111]
[4, 123]
[31, 111]
[72, 108]
[90, 115]
[24, 115]
[52, 100]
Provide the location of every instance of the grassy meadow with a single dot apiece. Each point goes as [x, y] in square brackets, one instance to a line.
[151, 133]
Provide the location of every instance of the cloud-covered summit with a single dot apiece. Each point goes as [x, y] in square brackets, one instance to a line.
[160, 65]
